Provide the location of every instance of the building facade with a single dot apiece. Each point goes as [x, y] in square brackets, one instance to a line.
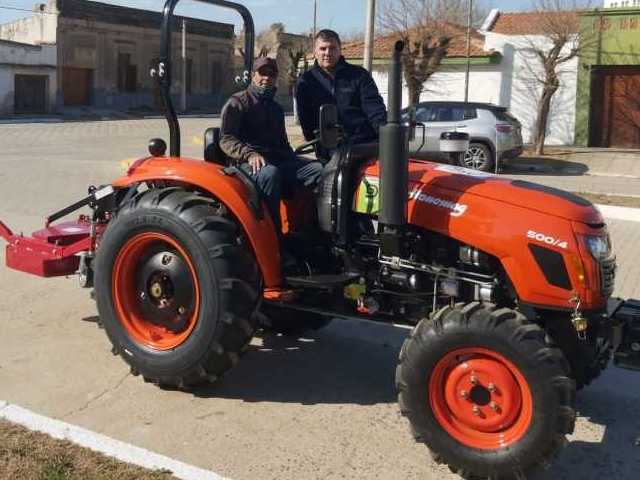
[608, 109]
[448, 83]
[517, 36]
[28, 78]
[104, 54]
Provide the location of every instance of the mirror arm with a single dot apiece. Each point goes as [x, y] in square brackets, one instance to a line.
[424, 134]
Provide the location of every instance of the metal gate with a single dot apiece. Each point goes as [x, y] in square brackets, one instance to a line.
[30, 94]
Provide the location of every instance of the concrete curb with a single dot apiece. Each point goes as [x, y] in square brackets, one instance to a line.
[620, 213]
[103, 444]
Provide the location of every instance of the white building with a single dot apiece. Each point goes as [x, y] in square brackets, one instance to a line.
[503, 72]
[515, 36]
[621, 3]
[28, 79]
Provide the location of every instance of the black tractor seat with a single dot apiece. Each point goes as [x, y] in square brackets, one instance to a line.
[212, 151]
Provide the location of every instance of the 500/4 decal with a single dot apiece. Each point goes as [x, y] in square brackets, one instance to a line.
[541, 237]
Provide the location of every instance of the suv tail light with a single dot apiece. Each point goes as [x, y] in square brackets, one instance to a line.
[504, 128]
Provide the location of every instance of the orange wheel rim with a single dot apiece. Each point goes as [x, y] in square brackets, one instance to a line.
[480, 398]
[155, 291]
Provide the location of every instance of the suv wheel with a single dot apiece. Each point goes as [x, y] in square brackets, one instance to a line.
[478, 157]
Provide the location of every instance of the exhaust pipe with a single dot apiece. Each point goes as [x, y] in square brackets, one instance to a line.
[394, 152]
[394, 164]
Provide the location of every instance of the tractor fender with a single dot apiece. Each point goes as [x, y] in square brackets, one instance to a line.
[229, 190]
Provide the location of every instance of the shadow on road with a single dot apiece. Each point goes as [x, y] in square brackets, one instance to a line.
[541, 166]
[610, 407]
[323, 367]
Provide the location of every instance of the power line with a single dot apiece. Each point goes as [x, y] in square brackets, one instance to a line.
[18, 9]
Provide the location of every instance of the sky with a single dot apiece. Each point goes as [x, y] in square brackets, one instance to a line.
[345, 16]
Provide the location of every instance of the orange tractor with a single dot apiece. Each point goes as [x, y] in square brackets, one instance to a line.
[507, 284]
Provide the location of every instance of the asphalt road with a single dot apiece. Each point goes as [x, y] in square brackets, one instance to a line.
[321, 407]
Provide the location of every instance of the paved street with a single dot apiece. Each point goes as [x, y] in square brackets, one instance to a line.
[321, 407]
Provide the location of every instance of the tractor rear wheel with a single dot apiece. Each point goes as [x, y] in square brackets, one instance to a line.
[485, 392]
[176, 287]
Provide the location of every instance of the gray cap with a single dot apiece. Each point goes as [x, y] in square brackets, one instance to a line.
[263, 62]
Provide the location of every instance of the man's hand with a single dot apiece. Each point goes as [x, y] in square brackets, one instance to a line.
[256, 161]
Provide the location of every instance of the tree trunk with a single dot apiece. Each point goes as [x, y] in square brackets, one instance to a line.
[414, 97]
[543, 117]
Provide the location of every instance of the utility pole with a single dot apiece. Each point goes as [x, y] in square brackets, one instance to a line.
[184, 65]
[369, 34]
[315, 18]
[466, 78]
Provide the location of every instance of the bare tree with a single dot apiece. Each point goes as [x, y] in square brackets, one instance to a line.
[556, 42]
[427, 28]
[354, 35]
[293, 72]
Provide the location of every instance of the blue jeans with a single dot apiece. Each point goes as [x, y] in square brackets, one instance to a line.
[273, 180]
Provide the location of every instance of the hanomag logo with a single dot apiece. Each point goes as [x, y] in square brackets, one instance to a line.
[457, 209]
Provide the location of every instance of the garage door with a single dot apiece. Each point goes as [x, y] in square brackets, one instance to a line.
[616, 108]
[76, 86]
[30, 94]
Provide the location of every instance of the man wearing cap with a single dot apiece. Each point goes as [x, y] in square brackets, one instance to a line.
[254, 137]
[351, 88]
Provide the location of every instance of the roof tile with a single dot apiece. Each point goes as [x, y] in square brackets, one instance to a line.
[383, 45]
[533, 23]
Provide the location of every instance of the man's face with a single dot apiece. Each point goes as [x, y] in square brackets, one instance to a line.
[265, 77]
[327, 53]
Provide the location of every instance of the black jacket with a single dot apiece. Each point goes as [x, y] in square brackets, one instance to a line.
[361, 110]
[254, 125]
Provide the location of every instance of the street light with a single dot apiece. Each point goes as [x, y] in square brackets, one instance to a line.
[466, 80]
[315, 17]
[369, 34]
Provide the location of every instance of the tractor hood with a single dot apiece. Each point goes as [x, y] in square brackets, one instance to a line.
[462, 182]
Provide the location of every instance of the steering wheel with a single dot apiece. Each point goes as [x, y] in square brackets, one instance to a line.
[307, 147]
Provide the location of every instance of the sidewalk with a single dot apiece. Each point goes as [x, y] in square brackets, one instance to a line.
[85, 114]
[583, 170]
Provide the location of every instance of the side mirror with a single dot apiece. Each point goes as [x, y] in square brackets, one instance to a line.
[454, 142]
[329, 131]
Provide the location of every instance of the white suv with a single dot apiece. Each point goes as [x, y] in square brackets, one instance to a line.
[485, 123]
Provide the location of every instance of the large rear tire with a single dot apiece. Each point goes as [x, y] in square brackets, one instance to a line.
[485, 392]
[177, 288]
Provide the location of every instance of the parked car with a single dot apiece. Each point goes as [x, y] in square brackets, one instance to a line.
[484, 122]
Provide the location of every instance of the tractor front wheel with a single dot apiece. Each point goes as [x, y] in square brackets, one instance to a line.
[177, 288]
[485, 392]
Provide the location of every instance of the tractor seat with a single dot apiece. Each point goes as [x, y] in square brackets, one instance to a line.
[212, 151]
[356, 154]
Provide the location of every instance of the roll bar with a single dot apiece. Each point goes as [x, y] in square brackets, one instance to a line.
[162, 71]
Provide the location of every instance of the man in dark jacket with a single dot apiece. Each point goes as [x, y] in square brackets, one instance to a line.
[361, 109]
[255, 138]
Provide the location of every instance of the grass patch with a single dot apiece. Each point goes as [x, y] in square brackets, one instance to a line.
[25, 454]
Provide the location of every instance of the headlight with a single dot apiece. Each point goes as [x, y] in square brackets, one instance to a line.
[600, 247]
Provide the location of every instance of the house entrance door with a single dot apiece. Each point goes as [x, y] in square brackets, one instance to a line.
[616, 107]
[76, 86]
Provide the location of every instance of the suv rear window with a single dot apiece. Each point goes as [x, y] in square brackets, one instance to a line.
[444, 113]
[505, 116]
